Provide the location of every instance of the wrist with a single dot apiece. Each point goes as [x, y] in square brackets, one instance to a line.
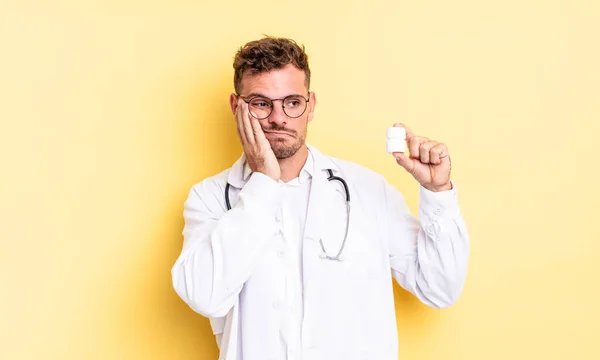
[272, 175]
[439, 188]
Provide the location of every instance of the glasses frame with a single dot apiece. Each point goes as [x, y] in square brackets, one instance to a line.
[273, 103]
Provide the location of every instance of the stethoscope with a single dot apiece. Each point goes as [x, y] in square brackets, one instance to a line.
[324, 254]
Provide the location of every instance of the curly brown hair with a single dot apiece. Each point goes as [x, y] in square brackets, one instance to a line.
[269, 53]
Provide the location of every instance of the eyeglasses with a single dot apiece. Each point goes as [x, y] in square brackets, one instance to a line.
[261, 107]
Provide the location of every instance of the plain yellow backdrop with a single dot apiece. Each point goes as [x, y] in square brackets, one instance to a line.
[111, 110]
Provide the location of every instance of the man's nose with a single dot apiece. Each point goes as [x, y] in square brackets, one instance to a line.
[277, 116]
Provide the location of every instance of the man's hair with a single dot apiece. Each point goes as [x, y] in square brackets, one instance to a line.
[269, 53]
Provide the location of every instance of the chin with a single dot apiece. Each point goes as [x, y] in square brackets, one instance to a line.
[282, 150]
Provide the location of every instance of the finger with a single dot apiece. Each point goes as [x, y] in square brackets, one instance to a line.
[438, 153]
[407, 163]
[409, 133]
[239, 122]
[413, 145]
[257, 130]
[424, 150]
[247, 126]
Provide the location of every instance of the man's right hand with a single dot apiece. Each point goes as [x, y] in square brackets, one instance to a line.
[257, 148]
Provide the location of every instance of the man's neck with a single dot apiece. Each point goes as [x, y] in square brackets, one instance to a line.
[291, 167]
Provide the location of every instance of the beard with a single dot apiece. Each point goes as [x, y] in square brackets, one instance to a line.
[283, 150]
[287, 147]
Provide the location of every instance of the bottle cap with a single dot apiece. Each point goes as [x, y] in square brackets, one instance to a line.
[396, 133]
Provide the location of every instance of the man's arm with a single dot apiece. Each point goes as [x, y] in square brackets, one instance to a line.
[429, 254]
[219, 253]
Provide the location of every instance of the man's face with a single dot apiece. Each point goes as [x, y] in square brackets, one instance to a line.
[286, 135]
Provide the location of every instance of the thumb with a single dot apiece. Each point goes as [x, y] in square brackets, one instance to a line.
[407, 163]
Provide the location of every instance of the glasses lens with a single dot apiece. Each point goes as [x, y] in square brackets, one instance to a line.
[294, 106]
[260, 108]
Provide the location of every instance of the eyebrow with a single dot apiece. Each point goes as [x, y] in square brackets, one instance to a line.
[255, 94]
[264, 96]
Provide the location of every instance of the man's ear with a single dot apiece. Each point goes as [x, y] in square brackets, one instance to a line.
[233, 102]
[312, 103]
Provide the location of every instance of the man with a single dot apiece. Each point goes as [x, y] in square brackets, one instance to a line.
[291, 271]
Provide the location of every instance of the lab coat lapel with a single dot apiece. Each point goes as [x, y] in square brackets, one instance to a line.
[317, 271]
[310, 253]
[322, 196]
[325, 206]
[319, 194]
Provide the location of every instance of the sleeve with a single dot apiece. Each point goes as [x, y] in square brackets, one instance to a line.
[219, 252]
[429, 254]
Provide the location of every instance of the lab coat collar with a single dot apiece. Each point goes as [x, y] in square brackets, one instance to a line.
[306, 172]
[322, 162]
[240, 171]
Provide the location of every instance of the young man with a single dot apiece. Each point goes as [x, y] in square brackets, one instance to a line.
[275, 255]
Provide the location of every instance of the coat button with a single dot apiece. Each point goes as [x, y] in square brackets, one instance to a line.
[276, 305]
[433, 229]
[281, 253]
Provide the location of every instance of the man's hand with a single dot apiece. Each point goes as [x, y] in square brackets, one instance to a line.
[428, 162]
[257, 148]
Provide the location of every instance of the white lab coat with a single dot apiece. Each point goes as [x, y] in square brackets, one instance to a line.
[229, 270]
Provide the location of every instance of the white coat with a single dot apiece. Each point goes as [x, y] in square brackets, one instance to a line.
[229, 270]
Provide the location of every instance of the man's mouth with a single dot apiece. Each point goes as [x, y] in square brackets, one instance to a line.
[274, 132]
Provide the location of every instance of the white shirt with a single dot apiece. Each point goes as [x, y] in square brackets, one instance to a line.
[292, 216]
[268, 293]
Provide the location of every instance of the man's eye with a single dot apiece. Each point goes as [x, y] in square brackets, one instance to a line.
[260, 103]
[293, 102]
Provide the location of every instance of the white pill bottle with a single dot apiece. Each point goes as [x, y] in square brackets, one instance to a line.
[396, 140]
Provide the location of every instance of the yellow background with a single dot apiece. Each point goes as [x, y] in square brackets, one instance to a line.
[111, 110]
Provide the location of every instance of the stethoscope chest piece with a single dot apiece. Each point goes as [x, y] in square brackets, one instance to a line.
[339, 257]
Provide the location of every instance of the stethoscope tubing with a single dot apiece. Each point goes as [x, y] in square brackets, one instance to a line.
[324, 254]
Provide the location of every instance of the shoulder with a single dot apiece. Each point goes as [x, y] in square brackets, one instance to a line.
[368, 184]
[355, 172]
[369, 187]
[218, 181]
[210, 189]
[358, 172]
